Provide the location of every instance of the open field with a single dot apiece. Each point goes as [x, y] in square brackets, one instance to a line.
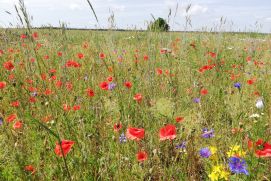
[201, 103]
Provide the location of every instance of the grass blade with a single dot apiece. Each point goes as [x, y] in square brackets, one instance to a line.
[93, 10]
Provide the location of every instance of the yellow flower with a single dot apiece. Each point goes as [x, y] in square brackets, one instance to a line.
[213, 176]
[224, 175]
[213, 150]
[236, 151]
[218, 172]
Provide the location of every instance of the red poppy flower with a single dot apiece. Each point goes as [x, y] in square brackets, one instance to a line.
[15, 104]
[90, 92]
[69, 86]
[80, 55]
[23, 36]
[54, 77]
[47, 118]
[159, 71]
[35, 35]
[48, 92]
[59, 54]
[110, 79]
[203, 92]
[165, 51]
[256, 93]
[138, 97]
[8, 65]
[11, 118]
[71, 63]
[265, 151]
[46, 57]
[30, 168]
[250, 82]
[32, 99]
[32, 89]
[236, 130]
[3, 85]
[17, 125]
[248, 59]
[135, 133]
[11, 77]
[104, 85]
[259, 142]
[66, 107]
[168, 132]
[76, 107]
[59, 84]
[102, 56]
[262, 148]
[117, 127]
[128, 84]
[179, 119]
[43, 76]
[212, 54]
[66, 146]
[142, 156]
[38, 46]
[265, 148]
[52, 71]
[146, 57]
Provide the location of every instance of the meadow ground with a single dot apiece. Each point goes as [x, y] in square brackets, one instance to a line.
[90, 105]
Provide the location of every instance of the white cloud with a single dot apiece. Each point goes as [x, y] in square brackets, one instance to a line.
[74, 6]
[194, 10]
[170, 3]
[116, 7]
[268, 19]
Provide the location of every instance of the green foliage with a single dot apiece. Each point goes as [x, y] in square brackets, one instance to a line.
[159, 25]
[97, 153]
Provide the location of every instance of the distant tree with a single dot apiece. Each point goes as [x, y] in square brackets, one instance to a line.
[158, 25]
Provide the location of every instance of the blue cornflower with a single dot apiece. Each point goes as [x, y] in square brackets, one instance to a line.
[238, 165]
[1, 121]
[205, 152]
[181, 145]
[34, 94]
[196, 100]
[111, 86]
[122, 138]
[238, 85]
[207, 133]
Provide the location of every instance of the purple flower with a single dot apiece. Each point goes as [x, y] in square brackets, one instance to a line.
[238, 85]
[1, 121]
[34, 94]
[122, 138]
[207, 133]
[205, 152]
[196, 100]
[238, 165]
[181, 146]
[111, 86]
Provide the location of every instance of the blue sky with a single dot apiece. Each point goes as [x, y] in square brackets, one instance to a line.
[240, 15]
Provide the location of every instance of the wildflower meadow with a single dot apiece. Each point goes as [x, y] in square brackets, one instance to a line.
[134, 105]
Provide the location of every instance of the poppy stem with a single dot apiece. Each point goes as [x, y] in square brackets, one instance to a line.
[64, 159]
